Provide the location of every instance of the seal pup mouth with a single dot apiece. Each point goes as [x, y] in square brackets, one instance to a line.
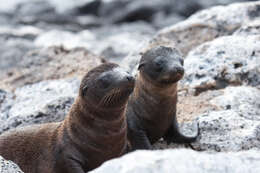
[117, 96]
[171, 80]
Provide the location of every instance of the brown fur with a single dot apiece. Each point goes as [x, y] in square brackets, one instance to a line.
[151, 112]
[87, 137]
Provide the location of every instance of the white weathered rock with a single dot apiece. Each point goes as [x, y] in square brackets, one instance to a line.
[112, 42]
[47, 64]
[236, 126]
[230, 60]
[7, 166]
[251, 28]
[29, 32]
[60, 5]
[47, 101]
[6, 102]
[183, 161]
[207, 25]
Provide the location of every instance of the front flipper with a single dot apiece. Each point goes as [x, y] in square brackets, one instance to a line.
[174, 135]
[70, 163]
[139, 140]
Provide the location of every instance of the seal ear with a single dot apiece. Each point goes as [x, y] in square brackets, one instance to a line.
[84, 90]
[140, 66]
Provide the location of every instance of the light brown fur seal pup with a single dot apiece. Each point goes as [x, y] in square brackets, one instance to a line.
[151, 111]
[94, 130]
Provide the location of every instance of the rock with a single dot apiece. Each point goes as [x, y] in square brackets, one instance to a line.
[112, 42]
[49, 63]
[230, 60]
[116, 42]
[12, 51]
[65, 39]
[43, 15]
[160, 20]
[108, 8]
[68, 5]
[236, 126]
[207, 25]
[119, 11]
[47, 101]
[139, 10]
[23, 32]
[5, 18]
[60, 6]
[7, 166]
[129, 11]
[183, 161]
[206, 4]
[91, 7]
[252, 28]
[6, 102]
[185, 8]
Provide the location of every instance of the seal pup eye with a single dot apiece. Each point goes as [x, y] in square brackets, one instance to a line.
[158, 66]
[104, 83]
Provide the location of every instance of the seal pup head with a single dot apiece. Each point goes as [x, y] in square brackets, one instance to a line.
[161, 66]
[107, 86]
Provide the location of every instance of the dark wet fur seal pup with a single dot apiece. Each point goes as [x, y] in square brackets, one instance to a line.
[95, 130]
[151, 111]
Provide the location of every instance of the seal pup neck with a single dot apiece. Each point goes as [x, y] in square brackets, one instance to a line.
[143, 85]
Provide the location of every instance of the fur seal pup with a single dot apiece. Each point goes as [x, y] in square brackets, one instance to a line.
[151, 110]
[95, 130]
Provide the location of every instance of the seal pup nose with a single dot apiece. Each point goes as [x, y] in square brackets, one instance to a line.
[130, 78]
[180, 70]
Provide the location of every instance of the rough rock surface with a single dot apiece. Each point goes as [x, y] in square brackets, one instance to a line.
[47, 101]
[112, 42]
[251, 28]
[6, 102]
[230, 60]
[236, 126]
[207, 25]
[220, 91]
[183, 161]
[48, 63]
[7, 166]
[12, 51]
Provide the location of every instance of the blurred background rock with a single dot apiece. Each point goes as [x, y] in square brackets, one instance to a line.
[47, 45]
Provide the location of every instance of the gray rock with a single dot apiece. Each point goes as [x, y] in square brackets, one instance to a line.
[12, 51]
[47, 101]
[207, 25]
[24, 32]
[48, 63]
[129, 11]
[206, 3]
[60, 6]
[183, 161]
[6, 102]
[112, 42]
[7, 166]
[44, 15]
[160, 20]
[236, 126]
[252, 28]
[230, 60]
[184, 8]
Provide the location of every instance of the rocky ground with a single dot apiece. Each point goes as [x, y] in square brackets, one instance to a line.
[47, 45]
